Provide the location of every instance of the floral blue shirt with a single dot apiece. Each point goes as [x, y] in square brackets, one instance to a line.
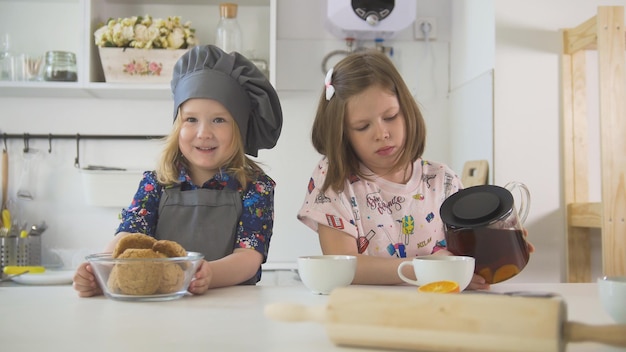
[257, 217]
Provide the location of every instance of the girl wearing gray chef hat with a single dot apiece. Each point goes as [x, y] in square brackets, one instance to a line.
[206, 194]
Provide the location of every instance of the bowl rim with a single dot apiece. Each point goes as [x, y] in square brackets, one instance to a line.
[107, 257]
[613, 279]
[327, 257]
[446, 258]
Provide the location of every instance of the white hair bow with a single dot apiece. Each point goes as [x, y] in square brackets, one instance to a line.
[330, 90]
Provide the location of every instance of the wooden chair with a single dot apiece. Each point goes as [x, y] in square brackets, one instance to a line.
[605, 33]
[475, 173]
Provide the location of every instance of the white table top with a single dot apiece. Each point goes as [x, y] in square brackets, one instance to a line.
[46, 318]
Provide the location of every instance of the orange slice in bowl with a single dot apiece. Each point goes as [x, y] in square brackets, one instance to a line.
[440, 287]
[505, 272]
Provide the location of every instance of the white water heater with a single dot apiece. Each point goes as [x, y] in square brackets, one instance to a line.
[369, 19]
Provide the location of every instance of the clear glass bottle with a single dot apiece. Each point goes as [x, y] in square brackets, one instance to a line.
[5, 57]
[228, 33]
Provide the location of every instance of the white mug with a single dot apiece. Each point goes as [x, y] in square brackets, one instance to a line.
[459, 269]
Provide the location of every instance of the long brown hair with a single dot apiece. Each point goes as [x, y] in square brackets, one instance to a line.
[351, 76]
[238, 165]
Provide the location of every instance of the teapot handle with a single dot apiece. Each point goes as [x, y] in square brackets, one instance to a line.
[524, 206]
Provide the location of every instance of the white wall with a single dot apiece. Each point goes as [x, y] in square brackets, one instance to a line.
[471, 83]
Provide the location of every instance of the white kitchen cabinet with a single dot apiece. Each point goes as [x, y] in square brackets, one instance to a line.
[37, 26]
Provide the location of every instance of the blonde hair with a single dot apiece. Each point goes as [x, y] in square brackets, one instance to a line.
[351, 76]
[239, 165]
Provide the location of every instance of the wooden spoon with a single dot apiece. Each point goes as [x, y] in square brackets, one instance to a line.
[5, 179]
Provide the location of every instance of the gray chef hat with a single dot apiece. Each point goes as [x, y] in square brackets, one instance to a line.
[206, 71]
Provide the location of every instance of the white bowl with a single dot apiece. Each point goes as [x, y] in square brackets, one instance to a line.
[323, 273]
[612, 291]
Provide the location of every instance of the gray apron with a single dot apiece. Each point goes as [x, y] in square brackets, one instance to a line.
[201, 220]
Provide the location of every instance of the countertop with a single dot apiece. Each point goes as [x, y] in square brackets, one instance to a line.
[54, 318]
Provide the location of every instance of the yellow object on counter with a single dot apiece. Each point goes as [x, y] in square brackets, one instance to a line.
[6, 219]
[13, 269]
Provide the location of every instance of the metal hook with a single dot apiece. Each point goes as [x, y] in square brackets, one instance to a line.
[76, 163]
[26, 141]
[49, 143]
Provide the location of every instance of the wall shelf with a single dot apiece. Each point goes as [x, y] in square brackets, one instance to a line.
[82, 17]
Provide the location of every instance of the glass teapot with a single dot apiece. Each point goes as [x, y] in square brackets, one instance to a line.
[483, 222]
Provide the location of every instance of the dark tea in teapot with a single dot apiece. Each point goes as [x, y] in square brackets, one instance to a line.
[503, 253]
[482, 222]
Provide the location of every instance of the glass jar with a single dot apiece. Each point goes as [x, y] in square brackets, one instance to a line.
[228, 33]
[60, 66]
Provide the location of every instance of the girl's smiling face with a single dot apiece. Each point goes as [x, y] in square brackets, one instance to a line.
[375, 129]
[206, 137]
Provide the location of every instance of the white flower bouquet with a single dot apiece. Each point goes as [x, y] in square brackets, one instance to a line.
[146, 33]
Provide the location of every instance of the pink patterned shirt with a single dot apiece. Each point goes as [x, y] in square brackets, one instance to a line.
[385, 218]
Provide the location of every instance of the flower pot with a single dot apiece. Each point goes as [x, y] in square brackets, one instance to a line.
[129, 65]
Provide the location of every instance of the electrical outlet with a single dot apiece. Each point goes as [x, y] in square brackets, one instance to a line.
[423, 26]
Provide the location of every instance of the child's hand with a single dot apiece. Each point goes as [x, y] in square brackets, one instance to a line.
[200, 284]
[478, 283]
[85, 281]
[531, 248]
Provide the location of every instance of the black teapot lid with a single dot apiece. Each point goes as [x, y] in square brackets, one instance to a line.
[476, 206]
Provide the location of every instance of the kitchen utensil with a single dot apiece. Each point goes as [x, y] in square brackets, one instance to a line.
[6, 219]
[433, 268]
[483, 222]
[10, 277]
[5, 180]
[408, 320]
[8, 249]
[38, 230]
[34, 245]
[5, 230]
[23, 248]
[14, 269]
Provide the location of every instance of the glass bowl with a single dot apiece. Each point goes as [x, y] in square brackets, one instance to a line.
[144, 279]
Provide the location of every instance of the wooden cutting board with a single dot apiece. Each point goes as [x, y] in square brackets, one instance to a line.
[406, 320]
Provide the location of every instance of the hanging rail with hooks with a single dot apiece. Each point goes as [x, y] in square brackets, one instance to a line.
[78, 137]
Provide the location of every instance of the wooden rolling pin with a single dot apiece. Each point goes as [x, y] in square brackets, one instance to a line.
[407, 320]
